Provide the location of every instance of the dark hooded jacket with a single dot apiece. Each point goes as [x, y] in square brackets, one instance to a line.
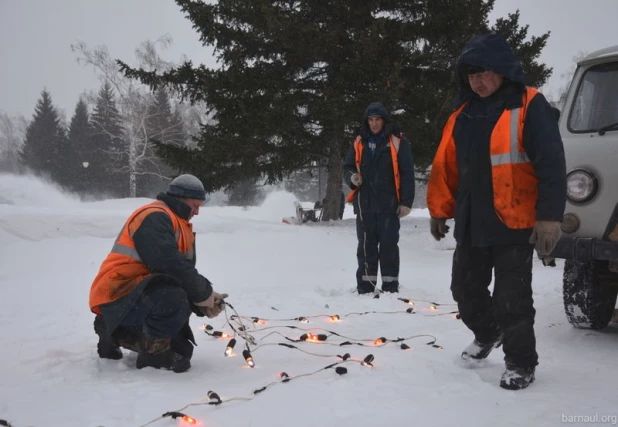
[377, 193]
[475, 216]
[156, 244]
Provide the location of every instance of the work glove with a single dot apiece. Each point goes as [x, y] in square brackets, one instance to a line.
[545, 236]
[356, 179]
[548, 261]
[438, 228]
[403, 211]
[213, 305]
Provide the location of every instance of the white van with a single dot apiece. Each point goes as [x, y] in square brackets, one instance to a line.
[589, 244]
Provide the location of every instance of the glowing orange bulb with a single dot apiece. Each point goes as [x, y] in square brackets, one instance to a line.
[189, 420]
[379, 341]
[335, 318]
[433, 308]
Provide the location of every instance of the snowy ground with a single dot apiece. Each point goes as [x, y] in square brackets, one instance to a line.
[50, 374]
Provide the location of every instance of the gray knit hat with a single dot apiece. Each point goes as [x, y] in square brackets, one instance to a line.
[187, 187]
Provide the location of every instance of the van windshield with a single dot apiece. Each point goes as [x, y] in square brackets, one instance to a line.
[596, 101]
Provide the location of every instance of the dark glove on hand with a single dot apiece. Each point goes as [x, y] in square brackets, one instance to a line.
[545, 236]
[438, 228]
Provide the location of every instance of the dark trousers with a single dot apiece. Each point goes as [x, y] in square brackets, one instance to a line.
[378, 239]
[510, 309]
[162, 311]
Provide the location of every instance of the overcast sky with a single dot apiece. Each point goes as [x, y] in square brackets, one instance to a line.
[35, 39]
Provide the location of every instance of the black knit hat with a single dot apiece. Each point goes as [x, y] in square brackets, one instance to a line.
[187, 187]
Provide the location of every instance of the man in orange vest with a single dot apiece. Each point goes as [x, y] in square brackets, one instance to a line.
[500, 172]
[379, 169]
[148, 285]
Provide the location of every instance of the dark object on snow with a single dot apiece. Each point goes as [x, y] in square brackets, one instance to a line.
[158, 353]
[589, 292]
[478, 351]
[515, 378]
[108, 347]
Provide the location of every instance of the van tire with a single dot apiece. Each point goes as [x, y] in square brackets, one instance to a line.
[589, 292]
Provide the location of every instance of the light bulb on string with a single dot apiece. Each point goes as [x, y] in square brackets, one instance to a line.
[220, 334]
[367, 361]
[247, 355]
[230, 347]
[380, 341]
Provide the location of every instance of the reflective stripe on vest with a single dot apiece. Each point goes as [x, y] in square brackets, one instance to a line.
[132, 252]
[514, 155]
[515, 186]
[394, 143]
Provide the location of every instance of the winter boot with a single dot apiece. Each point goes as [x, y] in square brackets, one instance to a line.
[476, 351]
[392, 287]
[158, 354]
[365, 288]
[515, 378]
[129, 341]
[107, 347]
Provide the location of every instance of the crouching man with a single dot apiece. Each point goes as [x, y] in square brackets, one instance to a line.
[148, 286]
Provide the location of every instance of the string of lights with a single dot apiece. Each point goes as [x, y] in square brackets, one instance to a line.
[246, 327]
[214, 399]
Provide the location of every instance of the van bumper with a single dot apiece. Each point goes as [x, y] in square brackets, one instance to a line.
[585, 249]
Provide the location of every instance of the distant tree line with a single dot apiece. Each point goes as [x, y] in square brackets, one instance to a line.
[294, 79]
[106, 150]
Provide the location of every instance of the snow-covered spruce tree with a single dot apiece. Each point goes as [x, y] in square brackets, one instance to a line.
[80, 143]
[45, 151]
[296, 76]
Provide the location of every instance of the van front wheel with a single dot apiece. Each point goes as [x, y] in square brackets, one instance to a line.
[589, 292]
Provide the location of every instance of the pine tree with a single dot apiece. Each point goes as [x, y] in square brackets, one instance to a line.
[80, 142]
[45, 147]
[297, 76]
[107, 140]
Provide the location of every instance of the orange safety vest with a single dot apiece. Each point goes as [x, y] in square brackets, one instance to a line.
[394, 143]
[123, 268]
[515, 185]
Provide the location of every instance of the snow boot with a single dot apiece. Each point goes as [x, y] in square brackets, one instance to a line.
[392, 287]
[157, 353]
[515, 378]
[476, 351]
[365, 288]
[108, 347]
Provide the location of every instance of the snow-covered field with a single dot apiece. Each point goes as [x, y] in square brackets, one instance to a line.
[50, 375]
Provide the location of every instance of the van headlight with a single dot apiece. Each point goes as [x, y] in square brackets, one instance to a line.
[582, 185]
